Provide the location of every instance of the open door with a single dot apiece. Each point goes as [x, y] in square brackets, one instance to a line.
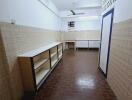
[106, 32]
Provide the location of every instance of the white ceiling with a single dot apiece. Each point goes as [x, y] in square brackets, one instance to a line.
[64, 5]
[86, 12]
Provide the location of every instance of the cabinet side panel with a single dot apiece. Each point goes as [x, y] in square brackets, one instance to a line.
[27, 74]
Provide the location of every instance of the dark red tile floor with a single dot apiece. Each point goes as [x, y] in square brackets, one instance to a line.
[76, 77]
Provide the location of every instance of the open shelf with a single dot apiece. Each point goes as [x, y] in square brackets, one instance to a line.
[60, 54]
[59, 49]
[60, 46]
[53, 54]
[38, 64]
[53, 51]
[53, 62]
[42, 72]
[41, 75]
[40, 59]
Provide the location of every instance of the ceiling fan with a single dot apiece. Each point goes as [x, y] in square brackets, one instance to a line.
[74, 13]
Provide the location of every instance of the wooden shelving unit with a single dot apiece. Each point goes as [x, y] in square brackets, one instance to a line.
[53, 62]
[60, 54]
[41, 72]
[60, 51]
[36, 65]
[54, 56]
[40, 59]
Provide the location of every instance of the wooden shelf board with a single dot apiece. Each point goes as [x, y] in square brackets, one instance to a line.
[54, 62]
[39, 50]
[53, 54]
[60, 49]
[41, 62]
[40, 75]
[60, 55]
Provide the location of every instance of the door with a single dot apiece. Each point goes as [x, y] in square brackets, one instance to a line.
[94, 44]
[107, 22]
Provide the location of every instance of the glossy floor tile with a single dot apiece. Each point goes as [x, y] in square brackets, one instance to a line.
[76, 77]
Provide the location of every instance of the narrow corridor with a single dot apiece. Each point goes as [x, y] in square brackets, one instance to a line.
[76, 77]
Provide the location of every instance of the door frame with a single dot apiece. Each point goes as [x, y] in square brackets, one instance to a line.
[111, 26]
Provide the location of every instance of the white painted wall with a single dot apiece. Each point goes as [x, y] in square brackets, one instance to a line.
[87, 25]
[122, 10]
[30, 13]
[4, 11]
[87, 21]
[81, 35]
[81, 25]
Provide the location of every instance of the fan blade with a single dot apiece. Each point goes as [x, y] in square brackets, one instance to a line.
[80, 13]
[69, 15]
[73, 12]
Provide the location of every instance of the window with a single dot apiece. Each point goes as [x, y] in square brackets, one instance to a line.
[71, 24]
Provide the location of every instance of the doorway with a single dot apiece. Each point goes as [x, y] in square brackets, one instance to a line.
[106, 32]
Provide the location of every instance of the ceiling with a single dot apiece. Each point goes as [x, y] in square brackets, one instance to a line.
[64, 5]
[83, 12]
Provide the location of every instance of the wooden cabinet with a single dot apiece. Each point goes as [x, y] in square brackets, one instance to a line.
[36, 65]
[94, 44]
[81, 44]
[54, 55]
[87, 43]
[60, 51]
